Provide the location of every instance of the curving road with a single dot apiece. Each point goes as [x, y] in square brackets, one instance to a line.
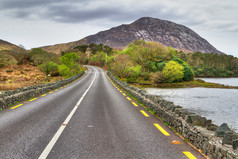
[91, 119]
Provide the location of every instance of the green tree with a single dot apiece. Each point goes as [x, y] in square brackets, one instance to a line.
[188, 71]
[70, 66]
[122, 66]
[147, 54]
[65, 71]
[173, 72]
[160, 65]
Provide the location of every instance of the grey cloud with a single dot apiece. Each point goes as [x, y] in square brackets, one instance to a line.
[20, 4]
[26, 4]
[195, 13]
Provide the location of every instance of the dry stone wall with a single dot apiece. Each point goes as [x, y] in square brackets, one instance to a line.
[213, 141]
[8, 98]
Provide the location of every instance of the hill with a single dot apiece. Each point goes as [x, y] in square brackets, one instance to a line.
[4, 45]
[148, 29]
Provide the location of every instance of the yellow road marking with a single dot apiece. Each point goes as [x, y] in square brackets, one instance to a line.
[56, 90]
[16, 106]
[128, 98]
[43, 95]
[124, 94]
[33, 99]
[120, 91]
[61, 87]
[189, 155]
[50, 92]
[161, 129]
[134, 104]
[144, 113]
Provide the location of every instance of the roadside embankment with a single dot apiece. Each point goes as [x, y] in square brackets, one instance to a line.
[213, 141]
[8, 98]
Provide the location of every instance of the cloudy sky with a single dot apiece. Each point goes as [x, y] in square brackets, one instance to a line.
[34, 23]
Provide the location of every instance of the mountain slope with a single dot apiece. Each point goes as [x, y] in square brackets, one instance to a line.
[4, 45]
[149, 29]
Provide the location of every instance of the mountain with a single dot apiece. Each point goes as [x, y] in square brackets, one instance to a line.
[150, 29]
[4, 45]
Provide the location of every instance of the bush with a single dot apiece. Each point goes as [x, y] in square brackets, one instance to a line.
[157, 77]
[39, 56]
[173, 72]
[8, 71]
[122, 66]
[65, 71]
[70, 66]
[188, 71]
[151, 66]
[49, 68]
[6, 59]
[160, 66]
[146, 75]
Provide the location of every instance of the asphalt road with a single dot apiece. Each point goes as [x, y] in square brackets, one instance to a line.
[91, 119]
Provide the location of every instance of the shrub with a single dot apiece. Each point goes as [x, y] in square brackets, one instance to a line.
[8, 71]
[65, 71]
[70, 66]
[39, 56]
[173, 72]
[157, 77]
[188, 71]
[160, 66]
[49, 68]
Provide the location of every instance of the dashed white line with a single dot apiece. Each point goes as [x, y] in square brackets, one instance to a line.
[51, 144]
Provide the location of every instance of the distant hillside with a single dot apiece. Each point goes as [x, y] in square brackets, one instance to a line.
[148, 29]
[4, 45]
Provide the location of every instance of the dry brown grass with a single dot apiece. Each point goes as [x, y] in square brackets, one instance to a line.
[17, 76]
[12, 86]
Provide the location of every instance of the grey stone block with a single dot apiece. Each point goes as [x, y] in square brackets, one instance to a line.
[235, 144]
[212, 127]
[221, 130]
[227, 139]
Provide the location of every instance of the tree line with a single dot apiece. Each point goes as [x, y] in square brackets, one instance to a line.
[211, 65]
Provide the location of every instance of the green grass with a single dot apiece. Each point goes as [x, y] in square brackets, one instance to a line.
[186, 140]
[152, 112]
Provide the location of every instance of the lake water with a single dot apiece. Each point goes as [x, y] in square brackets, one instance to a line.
[220, 105]
[225, 81]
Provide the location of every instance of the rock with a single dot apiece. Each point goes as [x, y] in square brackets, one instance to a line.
[222, 129]
[235, 144]
[212, 127]
[196, 120]
[227, 139]
[235, 136]
[223, 152]
[207, 122]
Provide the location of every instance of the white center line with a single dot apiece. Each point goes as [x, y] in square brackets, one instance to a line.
[52, 142]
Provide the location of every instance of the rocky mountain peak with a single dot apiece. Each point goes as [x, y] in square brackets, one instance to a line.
[149, 29]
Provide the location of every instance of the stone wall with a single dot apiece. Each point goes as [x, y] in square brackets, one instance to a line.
[213, 141]
[8, 98]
